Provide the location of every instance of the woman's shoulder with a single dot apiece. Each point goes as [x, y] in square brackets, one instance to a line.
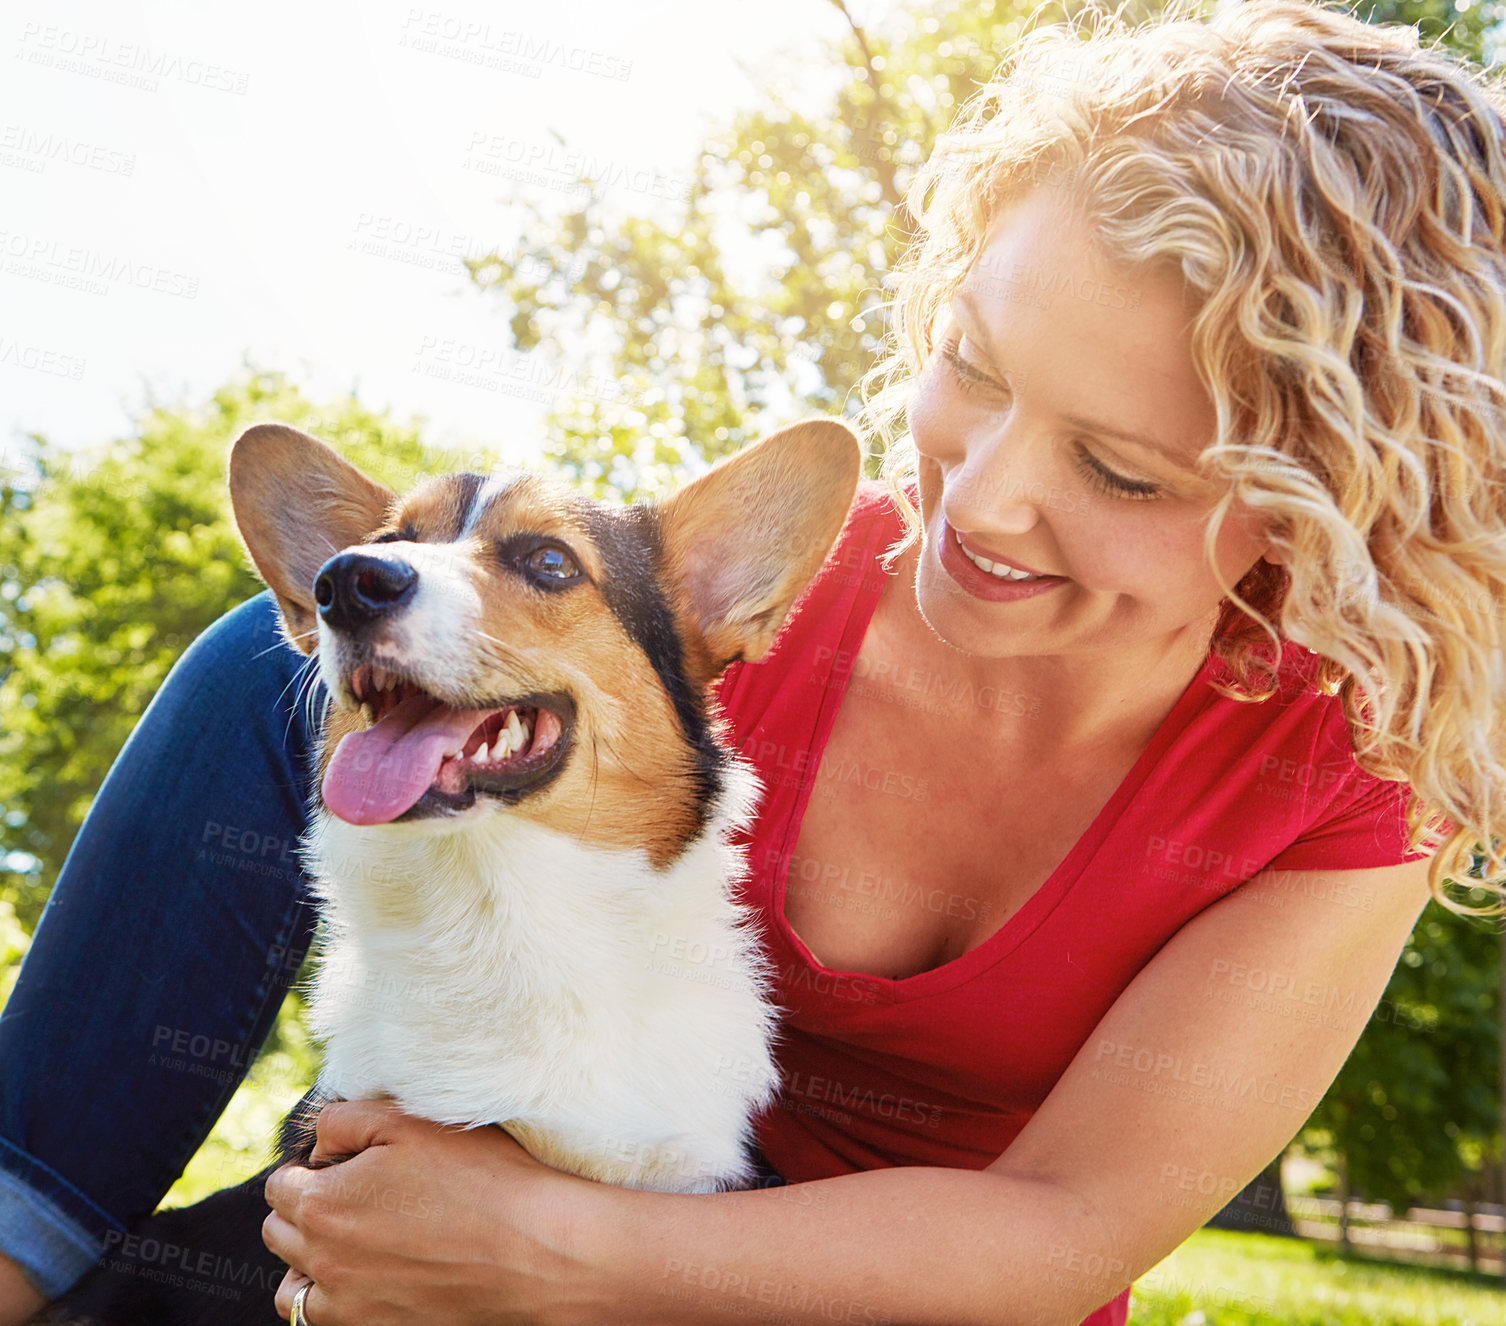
[1298, 718]
[1287, 762]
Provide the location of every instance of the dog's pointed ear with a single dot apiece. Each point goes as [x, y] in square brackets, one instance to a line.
[743, 540]
[298, 502]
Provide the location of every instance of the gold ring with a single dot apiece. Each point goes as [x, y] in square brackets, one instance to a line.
[300, 1317]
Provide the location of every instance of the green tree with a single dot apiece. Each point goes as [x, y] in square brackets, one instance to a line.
[760, 298]
[1468, 30]
[1414, 1114]
[111, 563]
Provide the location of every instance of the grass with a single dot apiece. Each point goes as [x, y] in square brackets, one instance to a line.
[1218, 1278]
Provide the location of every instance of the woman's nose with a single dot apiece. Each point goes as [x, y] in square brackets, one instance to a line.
[998, 480]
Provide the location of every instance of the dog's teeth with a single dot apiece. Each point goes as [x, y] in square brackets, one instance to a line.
[515, 730]
[480, 756]
[369, 713]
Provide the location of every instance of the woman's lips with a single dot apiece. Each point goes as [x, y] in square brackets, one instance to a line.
[964, 569]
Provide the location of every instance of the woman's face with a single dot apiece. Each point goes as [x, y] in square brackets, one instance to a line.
[1058, 423]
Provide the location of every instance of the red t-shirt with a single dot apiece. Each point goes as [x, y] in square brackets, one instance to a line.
[945, 1067]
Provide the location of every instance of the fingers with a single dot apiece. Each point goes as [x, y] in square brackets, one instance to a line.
[297, 1192]
[286, 1189]
[348, 1127]
[292, 1282]
[283, 1240]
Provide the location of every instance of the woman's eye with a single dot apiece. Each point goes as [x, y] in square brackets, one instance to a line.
[972, 378]
[1110, 484]
[550, 563]
[969, 375]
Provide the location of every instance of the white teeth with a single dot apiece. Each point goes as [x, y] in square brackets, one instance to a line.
[997, 569]
[512, 738]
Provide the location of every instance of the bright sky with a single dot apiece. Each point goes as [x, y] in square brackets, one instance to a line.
[185, 187]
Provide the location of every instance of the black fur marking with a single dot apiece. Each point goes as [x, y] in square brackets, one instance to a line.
[632, 561]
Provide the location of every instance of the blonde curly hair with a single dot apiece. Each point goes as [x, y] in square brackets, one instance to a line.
[1334, 196]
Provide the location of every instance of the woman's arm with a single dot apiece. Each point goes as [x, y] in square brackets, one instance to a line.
[1205, 1067]
[1195, 1079]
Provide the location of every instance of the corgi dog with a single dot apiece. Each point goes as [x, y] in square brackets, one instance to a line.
[524, 809]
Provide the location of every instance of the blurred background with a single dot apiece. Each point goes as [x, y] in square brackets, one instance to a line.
[611, 240]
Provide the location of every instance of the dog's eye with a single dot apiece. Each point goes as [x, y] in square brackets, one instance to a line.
[552, 563]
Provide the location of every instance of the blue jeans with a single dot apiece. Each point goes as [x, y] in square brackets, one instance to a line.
[175, 929]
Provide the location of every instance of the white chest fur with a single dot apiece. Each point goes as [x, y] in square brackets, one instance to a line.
[486, 970]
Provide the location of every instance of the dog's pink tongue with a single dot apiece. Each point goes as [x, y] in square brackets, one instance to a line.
[374, 776]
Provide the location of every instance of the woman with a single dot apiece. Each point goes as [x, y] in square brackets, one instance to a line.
[1201, 350]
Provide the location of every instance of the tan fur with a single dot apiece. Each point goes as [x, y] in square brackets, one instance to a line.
[735, 595]
[277, 482]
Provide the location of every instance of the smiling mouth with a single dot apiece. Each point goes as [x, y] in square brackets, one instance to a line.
[420, 756]
[999, 570]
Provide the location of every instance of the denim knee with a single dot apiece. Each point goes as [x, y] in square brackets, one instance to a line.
[165, 949]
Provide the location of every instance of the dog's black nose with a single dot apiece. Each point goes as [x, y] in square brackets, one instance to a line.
[354, 589]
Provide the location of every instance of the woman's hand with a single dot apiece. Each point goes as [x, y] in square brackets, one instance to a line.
[423, 1223]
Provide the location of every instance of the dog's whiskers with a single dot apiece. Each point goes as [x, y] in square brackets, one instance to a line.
[623, 764]
[315, 723]
[306, 679]
[279, 645]
[595, 778]
[295, 680]
[507, 652]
